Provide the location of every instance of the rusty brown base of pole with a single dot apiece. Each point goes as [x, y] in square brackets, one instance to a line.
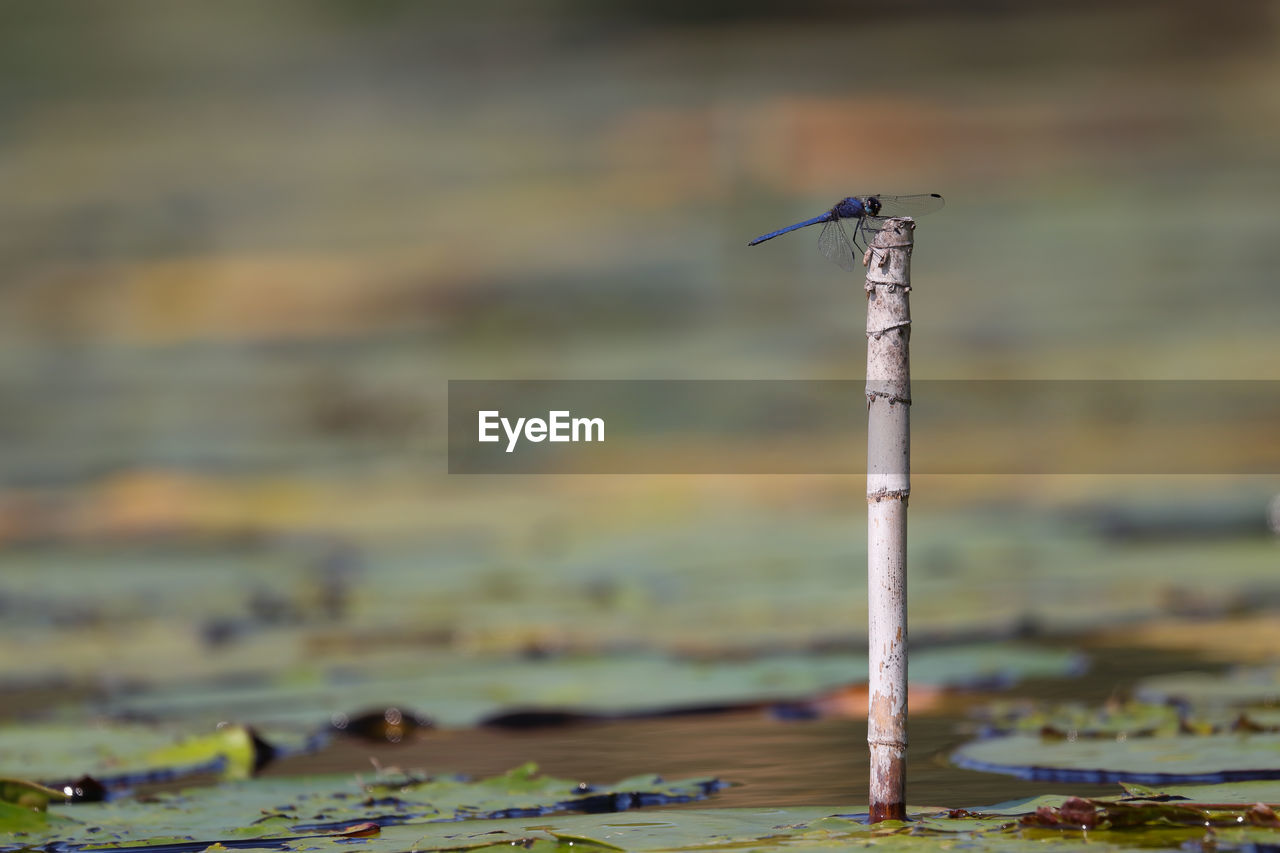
[888, 766]
[888, 811]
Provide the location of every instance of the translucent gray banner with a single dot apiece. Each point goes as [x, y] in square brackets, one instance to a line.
[819, 427]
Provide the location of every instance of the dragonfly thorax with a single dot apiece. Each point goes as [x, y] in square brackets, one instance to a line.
[850, 208]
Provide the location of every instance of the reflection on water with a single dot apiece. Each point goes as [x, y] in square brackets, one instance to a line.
[771, 763]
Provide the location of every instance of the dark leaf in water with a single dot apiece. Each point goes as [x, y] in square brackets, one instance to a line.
[86, 789]
[389, 725]
[534, 718]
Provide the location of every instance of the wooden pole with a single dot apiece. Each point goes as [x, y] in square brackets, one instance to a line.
[888, 488]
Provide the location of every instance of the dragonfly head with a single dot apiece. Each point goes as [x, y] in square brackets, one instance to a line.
[871, 205]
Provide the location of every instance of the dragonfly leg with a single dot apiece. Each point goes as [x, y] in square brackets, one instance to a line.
[868, 231]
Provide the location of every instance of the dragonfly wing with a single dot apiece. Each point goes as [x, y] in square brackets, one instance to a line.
[834, 243]
[893, 206]
[908, 205]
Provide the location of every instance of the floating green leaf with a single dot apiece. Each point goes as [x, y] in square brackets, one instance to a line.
[464, 691]
[1257, 687]
[27, 795]
[1124, 719]
[1246, 793]
[743, 829]
[24, 805]
[1148, 760]
[16, 818]
[1072, 720]
[394, 812]
[327, 806]
[65, 751]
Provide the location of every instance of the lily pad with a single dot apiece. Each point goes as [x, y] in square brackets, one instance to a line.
[1241, 687]
[460, 691]
[1076, 720]
[1243, 793]
[1124, 719]
[127, 753]
[235, 812]
[27, 795]
[225, 820]
[393, 812]
[1147, 760]
[705, 579]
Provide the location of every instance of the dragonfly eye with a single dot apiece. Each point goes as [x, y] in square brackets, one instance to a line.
[873, 206]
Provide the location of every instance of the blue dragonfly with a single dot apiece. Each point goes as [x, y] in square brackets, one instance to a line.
[865, 214]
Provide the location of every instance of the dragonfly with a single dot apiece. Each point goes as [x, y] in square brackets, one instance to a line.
[864, 215]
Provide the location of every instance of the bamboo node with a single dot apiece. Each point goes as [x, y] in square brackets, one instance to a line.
[877, 333]
[879, 255]
[887, 283]
[872, 394]
[888, 495]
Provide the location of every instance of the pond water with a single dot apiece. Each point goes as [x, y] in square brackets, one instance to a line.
[771, 763]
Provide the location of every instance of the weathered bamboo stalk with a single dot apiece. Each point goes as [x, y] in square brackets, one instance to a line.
[888, 488]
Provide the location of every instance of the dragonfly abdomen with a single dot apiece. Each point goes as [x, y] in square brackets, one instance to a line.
[826, 217]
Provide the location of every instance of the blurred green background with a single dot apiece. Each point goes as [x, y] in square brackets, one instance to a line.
[244, 245]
